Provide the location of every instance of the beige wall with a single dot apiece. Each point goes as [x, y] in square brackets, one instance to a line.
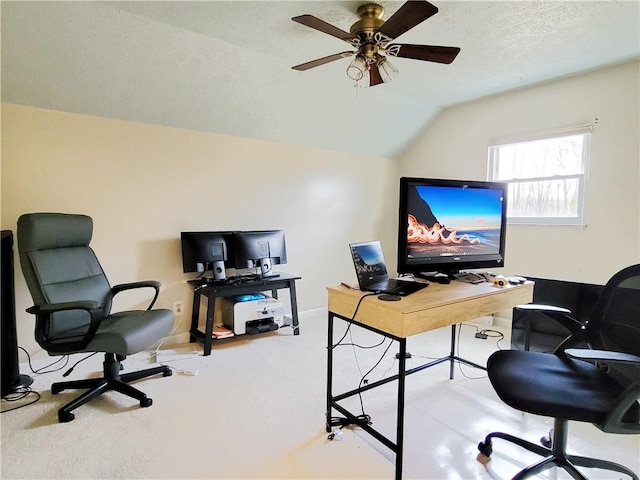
[455, 146]
[144, 184]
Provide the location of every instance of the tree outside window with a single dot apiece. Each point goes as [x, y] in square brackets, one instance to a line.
[546, 175]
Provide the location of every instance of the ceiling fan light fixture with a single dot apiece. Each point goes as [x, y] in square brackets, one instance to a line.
[357, 68]
[388, 71]
[365, 81]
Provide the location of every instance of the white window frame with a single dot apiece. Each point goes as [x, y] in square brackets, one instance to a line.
[493, 153]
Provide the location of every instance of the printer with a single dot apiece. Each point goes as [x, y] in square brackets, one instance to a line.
[249, 314]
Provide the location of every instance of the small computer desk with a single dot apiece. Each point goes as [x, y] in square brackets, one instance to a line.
[212, 291]
[433, 307]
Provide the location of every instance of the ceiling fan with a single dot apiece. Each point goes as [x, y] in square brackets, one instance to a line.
[371, 36]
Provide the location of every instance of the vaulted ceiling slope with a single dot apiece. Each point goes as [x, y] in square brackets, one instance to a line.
[225, 67]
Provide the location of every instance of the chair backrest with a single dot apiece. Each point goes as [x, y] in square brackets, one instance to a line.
[59, 266]
[615, 322]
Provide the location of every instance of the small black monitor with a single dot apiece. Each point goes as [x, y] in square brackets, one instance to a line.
[207, 251]
[262, 249]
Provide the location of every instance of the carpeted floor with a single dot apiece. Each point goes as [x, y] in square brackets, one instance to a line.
[256, 409]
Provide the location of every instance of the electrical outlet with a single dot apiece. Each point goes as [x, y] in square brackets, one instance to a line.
[178, 307]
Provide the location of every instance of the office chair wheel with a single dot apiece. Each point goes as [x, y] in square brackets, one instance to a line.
[167, 373]
[65, 417]
[146, 402]
[546, 441]
[56, 389]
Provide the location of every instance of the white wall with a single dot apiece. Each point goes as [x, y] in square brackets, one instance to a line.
[144, 184]
[455, 146]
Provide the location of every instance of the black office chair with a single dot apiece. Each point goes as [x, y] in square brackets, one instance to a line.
[72, 304]
[599, 385]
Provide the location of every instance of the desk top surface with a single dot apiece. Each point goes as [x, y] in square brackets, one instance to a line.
[432, 307]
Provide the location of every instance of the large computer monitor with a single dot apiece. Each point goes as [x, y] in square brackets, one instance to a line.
[449, 225]
[207, 251]
[260, 249]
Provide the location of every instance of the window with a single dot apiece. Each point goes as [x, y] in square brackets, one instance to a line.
[546, 175]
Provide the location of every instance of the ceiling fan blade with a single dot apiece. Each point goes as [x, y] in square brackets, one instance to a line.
[374, 76]
[406, 17]
[324, 27]
[430, 53]
[321, 61]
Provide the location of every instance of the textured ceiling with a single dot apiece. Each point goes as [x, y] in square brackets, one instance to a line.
[225, 67]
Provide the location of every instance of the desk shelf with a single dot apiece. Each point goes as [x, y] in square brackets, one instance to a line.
[214, 291]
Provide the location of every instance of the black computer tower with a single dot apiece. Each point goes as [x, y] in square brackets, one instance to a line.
[11, 378]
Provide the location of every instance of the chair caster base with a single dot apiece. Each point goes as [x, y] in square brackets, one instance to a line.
[146, 402]
[546, 441]
[65, 417]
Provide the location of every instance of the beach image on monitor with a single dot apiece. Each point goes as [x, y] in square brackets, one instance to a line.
[453, 221]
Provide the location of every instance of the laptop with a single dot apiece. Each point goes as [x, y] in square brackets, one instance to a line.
[371, 271]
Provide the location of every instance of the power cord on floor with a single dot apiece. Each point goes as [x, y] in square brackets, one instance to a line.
[157, 349]
[363, 418]
[481, 334]
[64, 359]
[343, 422]
[24, 392]
[19, 395]
[68, 372]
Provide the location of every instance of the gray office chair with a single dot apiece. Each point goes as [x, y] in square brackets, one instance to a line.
[598, 385]
[72, 304]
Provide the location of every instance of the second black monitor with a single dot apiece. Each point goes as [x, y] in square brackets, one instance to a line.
[260, 249]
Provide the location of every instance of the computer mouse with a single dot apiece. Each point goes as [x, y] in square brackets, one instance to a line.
[388, 297]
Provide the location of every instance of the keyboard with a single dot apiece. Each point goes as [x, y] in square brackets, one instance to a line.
[397, 287]
[470, 277]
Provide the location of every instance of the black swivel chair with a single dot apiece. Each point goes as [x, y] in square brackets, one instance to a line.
[72, 304]
[598, 385]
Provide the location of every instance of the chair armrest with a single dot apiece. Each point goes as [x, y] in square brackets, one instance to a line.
[619, 366]
[543, 308]
[603, 356]
[560, 315]
[44, 314]
[142, 284]
[48, 308]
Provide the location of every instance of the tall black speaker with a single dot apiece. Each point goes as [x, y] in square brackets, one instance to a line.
[12, 381]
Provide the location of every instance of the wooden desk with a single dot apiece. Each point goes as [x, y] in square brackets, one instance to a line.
[433, 307]
[214, 291]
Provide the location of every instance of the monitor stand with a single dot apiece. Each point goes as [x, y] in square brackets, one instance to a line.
[266, 270]
[435, 277]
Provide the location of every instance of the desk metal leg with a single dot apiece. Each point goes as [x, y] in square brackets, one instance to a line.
[208, 331]
[294, 308]
[195, 316]
[400, 414]
[329, 371]
[453, 351]
[351, 418]
[453, 357]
